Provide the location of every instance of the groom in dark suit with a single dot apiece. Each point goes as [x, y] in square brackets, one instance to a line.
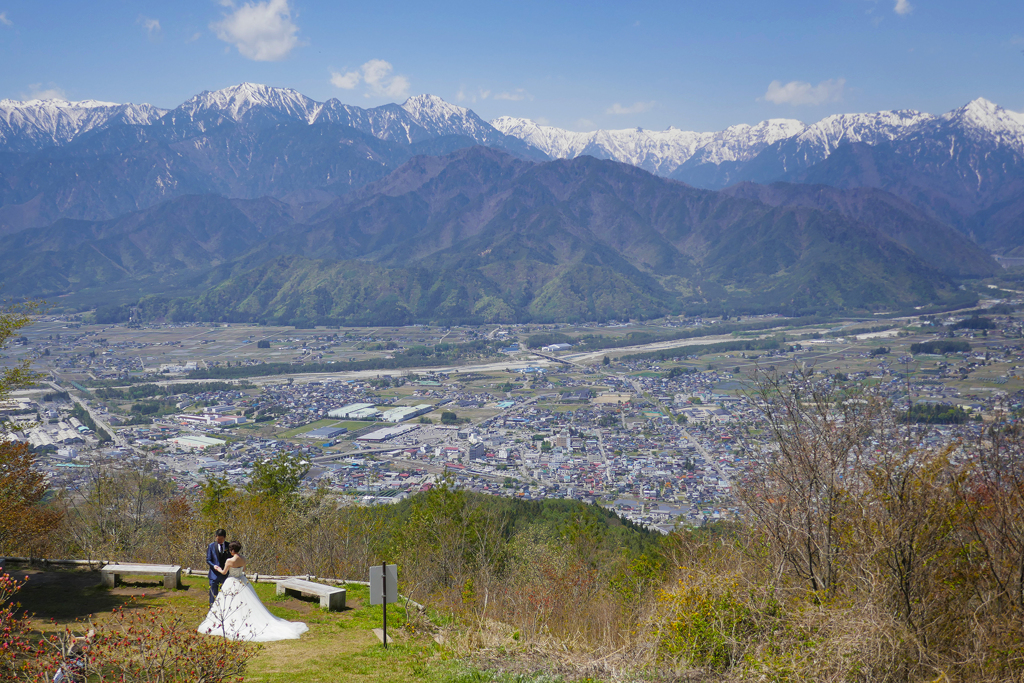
[216, 555]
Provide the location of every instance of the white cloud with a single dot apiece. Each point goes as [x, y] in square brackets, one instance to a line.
[800, 93]
[4, 20]
[345, 81]
[152, 27]
[584, 124]
[262, 31]
[195, 36]
[377, 74]
[515, 96]
[36, 91]
[903, 7]
[398, 87]
[635, 108]
[472, 98]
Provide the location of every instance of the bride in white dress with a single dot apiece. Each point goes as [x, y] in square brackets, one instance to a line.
[238, 614]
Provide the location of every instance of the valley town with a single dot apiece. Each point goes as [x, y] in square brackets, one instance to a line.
[657, 430]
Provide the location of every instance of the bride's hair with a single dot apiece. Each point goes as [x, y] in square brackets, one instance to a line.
[235, 547]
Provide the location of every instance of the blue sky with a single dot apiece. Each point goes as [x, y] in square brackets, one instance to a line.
[693, 65]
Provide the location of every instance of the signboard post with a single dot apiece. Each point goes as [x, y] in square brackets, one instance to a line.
[384, 589]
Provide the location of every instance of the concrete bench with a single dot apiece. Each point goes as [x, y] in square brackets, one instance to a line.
[171, 573]
[331, 597]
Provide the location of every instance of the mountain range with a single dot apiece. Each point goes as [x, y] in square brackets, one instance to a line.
[252, 191]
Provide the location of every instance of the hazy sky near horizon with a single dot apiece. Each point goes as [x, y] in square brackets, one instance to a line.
[693, 65]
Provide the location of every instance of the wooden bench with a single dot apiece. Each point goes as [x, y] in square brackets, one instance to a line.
[331, 597]
[170, 572]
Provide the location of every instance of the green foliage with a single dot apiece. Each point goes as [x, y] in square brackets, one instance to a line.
[536, 341]
[139, 391]
[702, 349]
[278, 477]
[634, 582]
[449, 418]
[216, 492]
[12, 319]
[935, 413]
[708, 630]
[941, 346]
[152, 408]
[974, 323]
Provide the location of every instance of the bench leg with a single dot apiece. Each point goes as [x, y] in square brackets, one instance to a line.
[110, 580]
[280, 590]
[173, 580]
[334, 602]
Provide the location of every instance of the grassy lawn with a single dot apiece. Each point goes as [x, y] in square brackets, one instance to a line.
[353, 425]
[339, 646]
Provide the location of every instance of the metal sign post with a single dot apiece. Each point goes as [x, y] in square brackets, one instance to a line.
[384, 589]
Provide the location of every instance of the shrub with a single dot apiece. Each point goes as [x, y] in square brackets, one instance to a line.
[146, 646]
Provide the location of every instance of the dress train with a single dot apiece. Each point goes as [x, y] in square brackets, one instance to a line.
[239, 614]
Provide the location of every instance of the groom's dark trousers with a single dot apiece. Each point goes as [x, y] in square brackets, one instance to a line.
[216, 555]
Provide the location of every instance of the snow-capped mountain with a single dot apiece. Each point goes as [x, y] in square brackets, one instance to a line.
[660, 152]
[822, 138]
[663, 152]
[655, 151]
[254, 140]
[442, 118]
[388, 122]
[816, 142]
[965, 168]
[769, 150]
[418, 119]
[247, 103]
[37, 124]
[981, 121]
[743, 142]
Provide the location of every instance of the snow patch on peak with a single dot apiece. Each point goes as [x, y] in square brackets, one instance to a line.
[984, 114]
[820, 139]
[743, 142]
[659, 152]
[57, 103]
[979, 106]
[443, 118]
[35, 124]
[981, 119]
[239, 102]
[432, 108]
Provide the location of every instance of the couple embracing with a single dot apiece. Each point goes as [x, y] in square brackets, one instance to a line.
[236, 612]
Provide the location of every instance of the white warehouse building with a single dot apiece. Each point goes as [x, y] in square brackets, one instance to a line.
[355, 411]
[403, 413]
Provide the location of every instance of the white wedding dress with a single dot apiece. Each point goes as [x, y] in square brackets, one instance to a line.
[238, 614]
